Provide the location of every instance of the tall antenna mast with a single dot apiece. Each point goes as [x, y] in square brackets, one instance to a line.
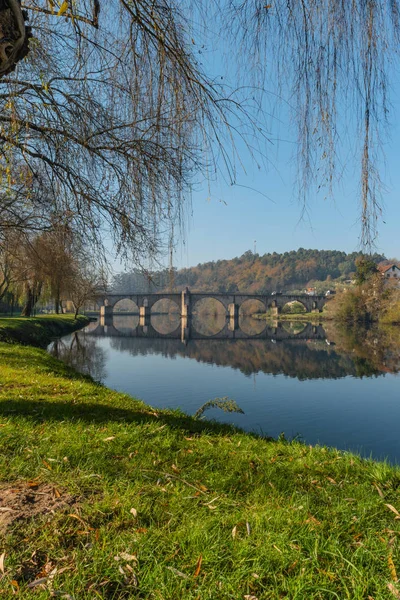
[171, 260]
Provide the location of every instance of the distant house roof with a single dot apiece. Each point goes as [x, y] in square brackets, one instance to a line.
[384, 268]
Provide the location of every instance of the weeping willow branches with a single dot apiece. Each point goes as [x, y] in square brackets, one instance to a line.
[113, 111]
[332, 60]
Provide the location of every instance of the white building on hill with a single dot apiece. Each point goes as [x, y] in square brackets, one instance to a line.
[391, 273]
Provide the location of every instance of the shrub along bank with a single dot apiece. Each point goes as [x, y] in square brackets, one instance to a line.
[104, 497]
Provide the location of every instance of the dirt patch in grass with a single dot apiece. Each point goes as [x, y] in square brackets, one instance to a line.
[23, 501]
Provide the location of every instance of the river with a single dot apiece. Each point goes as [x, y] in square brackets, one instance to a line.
[319, 383]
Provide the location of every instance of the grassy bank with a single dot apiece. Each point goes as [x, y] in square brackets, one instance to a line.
[39, 331]
[104, 497]
[305, 317]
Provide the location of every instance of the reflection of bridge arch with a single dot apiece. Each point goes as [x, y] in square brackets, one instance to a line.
[211, 335]
[140, 331]
[185, 331]
[294, 327]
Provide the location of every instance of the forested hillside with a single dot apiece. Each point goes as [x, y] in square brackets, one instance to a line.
[250, 272]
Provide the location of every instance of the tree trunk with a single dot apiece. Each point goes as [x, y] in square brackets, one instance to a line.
[32, 296]
[29, 302]
[77, 307]
[14, 35]
[57, 302]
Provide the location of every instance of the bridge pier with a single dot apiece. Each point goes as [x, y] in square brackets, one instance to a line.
[144, 312]
[233, 310]
[106, 315]
[276, 310]
[186, 304]
[233, 324]
[144, 316]
[105, 322]
[106, 311]
[185, 330]
[233, 314]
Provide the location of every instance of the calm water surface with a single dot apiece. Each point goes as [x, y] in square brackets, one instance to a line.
[326, 386]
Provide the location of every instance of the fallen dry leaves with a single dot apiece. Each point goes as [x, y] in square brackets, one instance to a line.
[198, 566]
[378, 489]
[392, 569]
[394, 510]
[394, 590]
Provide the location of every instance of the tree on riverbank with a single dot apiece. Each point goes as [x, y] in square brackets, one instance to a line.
[52, 265]
[368, 302]
[366, 268]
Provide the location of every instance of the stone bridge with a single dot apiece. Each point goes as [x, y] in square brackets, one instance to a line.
[186, 302]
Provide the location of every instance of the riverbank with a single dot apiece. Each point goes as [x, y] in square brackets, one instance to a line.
[39, 331]
[105, 497]
[305, 317]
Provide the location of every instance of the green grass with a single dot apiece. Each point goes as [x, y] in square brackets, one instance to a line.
[218, 514]
[308, 317]
[38, 331]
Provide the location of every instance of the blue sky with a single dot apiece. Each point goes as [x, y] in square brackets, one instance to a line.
[225, 220]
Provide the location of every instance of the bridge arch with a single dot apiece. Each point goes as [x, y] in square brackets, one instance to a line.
[252, 305]
[125, 305]
[209, 305]
[294, 307]
[165, 316]
[165, 305]
[208, 316]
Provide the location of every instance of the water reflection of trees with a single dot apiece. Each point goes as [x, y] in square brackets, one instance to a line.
[374, 350]
[300, 359]
[357, 352]
[83, 353]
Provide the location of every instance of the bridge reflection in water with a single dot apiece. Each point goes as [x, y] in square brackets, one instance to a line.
[186, 330]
